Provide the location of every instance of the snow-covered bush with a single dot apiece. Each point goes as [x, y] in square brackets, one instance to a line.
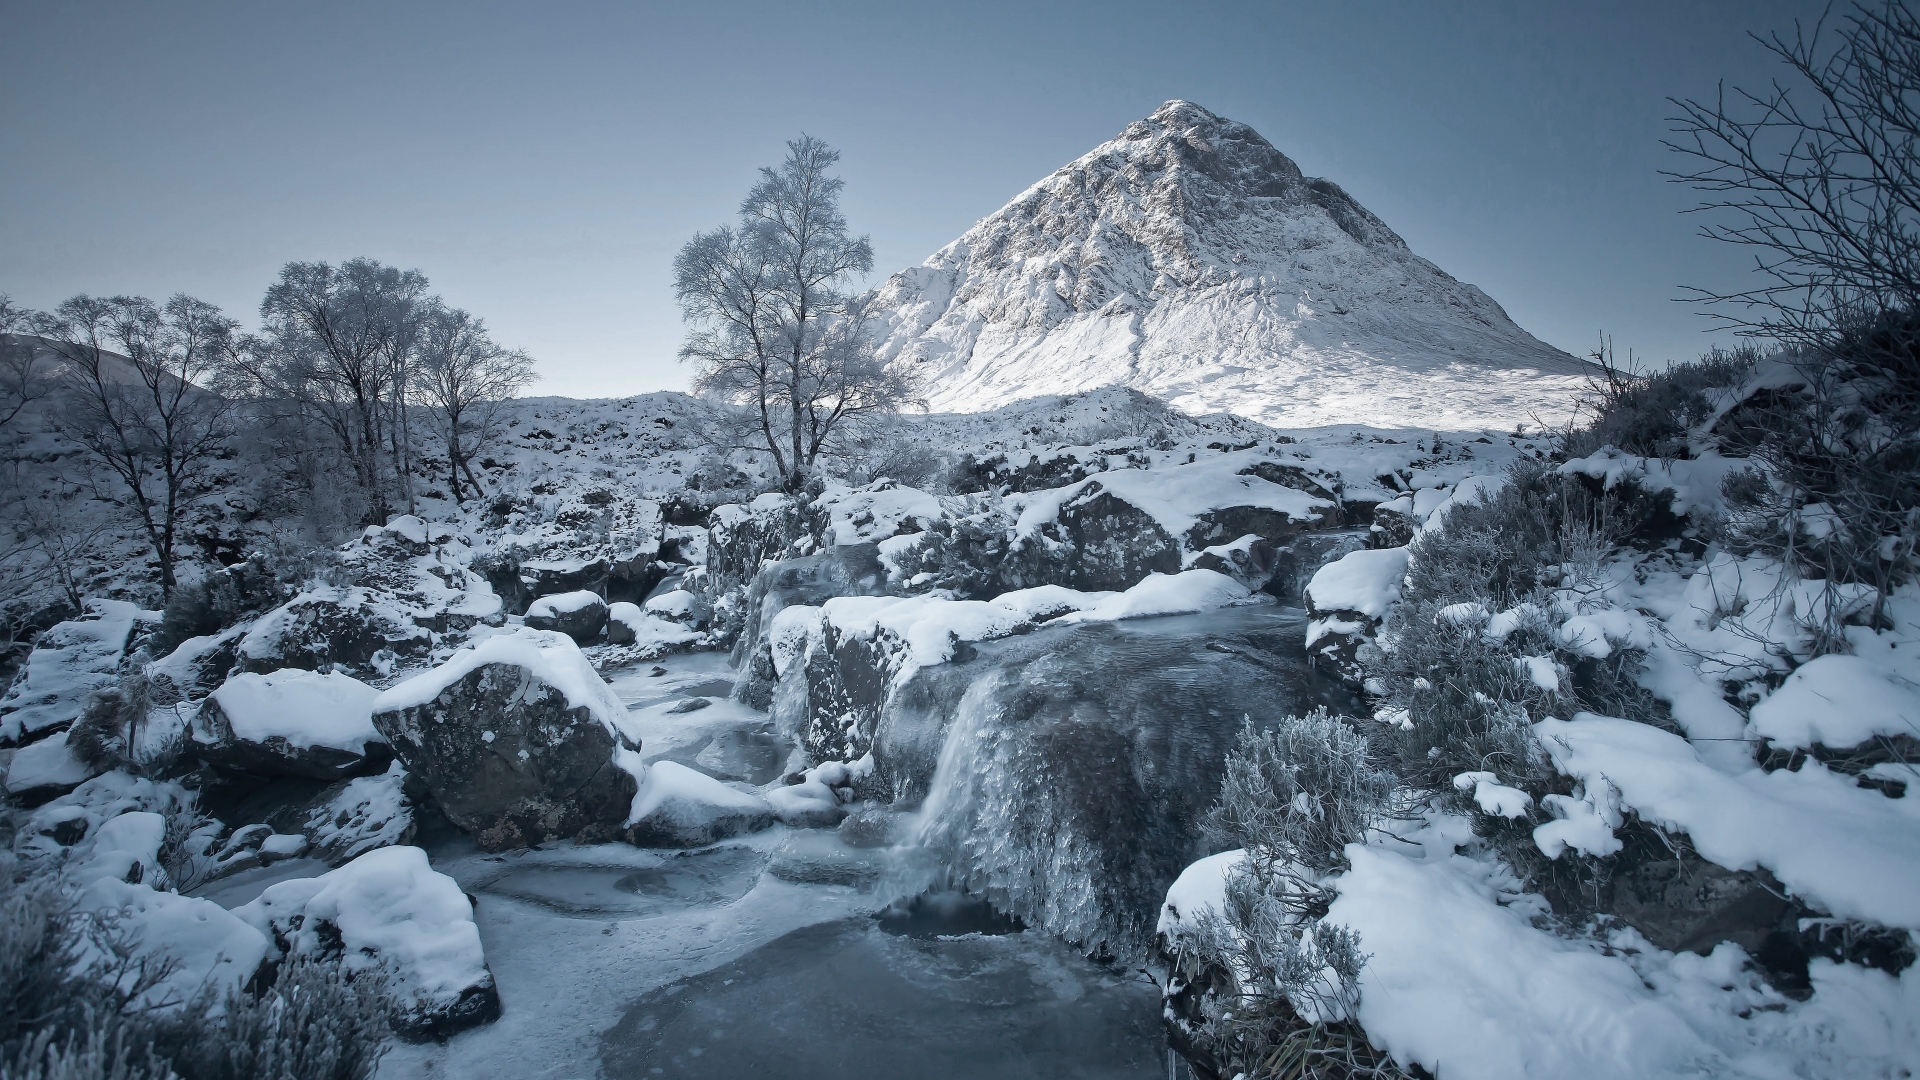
[75, 1004]
[1653, 413]
[1277, 985]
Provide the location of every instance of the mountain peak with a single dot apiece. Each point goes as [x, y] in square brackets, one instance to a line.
[1189, 258]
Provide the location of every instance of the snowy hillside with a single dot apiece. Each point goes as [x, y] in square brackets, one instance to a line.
[1188, 258]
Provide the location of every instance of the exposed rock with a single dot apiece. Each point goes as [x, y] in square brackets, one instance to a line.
[360, 815]
[515, 738]
[1394, 524]
[324, 627]
[579, 615]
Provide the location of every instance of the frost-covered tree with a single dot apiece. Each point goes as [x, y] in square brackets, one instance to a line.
[335, 346]
[465, 376]
[147, 390]
[21, 378]
[773, 326]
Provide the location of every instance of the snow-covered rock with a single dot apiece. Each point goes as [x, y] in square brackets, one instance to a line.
[1189, 258]
[359, 815]
[580, 615]
[48, 767]
[1347, 600]
[1839, 702]
[347, 626]
[515, 737]
[69, 661]
[388, 910]
[680, 807]
[290, 722]
[648, 633]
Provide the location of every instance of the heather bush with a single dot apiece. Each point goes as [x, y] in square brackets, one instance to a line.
[1281, 983]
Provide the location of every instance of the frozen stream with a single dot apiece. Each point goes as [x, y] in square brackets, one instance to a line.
[763, 956]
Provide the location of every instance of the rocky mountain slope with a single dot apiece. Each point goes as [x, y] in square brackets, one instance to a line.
[1189, 258]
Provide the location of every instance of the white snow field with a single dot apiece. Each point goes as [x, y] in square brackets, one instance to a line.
[1188, 258]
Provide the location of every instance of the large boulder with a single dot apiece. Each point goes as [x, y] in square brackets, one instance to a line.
[389, 911]
[331, 627]
[291, 723]
[353, 817]
[515, 738]
[580, 615]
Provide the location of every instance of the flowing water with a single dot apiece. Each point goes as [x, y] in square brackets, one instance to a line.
[1050, 788]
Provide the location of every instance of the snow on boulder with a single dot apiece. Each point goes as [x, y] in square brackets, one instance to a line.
[515, 737]
[388, 910]
[69, 661]
[1846, 849]
[360, 815]
[679, 807]
[678, 605]
[1200, 888]
[650, 634]
[580, 615]
[876, 512]
[1346, 602]
[1839, 702]
[329, 626]
[201, 947]
[290, 723]
[45, 768]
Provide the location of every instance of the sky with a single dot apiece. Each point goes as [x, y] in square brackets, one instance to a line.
[542, 163]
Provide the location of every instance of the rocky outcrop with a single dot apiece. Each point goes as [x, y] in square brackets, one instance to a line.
[515, 738]
[579, 615]
[320, 629]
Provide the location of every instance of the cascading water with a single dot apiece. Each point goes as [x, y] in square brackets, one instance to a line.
[1065, 772]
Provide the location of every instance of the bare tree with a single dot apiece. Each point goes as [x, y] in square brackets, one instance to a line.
[466, 378]
[145, 392]
[21, 379]
[772, 325]
[333, 340]
[1819, 175]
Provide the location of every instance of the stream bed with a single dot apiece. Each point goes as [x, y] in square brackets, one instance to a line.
[779, 954]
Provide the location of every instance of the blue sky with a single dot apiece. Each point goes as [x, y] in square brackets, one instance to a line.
[542, 163]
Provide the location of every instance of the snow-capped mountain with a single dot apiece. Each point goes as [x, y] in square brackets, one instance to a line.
[1190, 259]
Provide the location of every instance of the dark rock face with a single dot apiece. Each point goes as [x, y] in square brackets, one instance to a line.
[315, 632]
[1693, 905]
[509, 761]
[1114, 543]
[811, 580]
[478, 1004]
[217, 745]
[582, 623]
[1392, 527]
